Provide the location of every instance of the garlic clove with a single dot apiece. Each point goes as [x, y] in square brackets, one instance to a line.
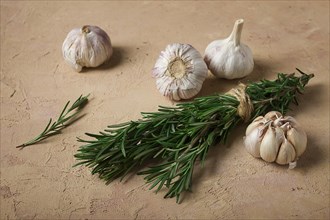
[229, 58]
[298, 139]
[254, 134]
[292, 121]
[273, 115]
[88, 46]
[269, 145]
[179, 71]
[286, 154]
[259, 121]
[253, 139]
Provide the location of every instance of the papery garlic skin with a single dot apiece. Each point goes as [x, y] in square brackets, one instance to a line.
[229, 58]
[282, 139]
[88, 46]
[273, 115]
[179, 71]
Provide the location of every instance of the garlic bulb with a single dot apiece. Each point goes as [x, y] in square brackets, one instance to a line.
[275, 138]
[88, 46]
[179, 71]
[229, 58]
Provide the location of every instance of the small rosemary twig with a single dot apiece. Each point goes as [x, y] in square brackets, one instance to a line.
[66, 118]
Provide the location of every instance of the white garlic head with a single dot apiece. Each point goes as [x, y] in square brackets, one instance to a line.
[179, 71]
[275, 138]
[229, 58]
[89, 46]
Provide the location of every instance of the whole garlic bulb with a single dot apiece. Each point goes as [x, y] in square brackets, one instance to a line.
[179, 71]
[229, 58]
[88, 46]
[275, 138]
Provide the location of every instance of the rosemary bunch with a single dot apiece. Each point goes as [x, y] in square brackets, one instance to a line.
[179, 136]
[66, 117]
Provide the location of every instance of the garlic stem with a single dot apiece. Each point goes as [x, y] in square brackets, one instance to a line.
[237, 31]
[85, 29]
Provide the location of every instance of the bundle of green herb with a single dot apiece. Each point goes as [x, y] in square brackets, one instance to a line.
[67, 116]
[179, 136]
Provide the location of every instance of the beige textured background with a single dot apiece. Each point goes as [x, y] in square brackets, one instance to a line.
[39, 181]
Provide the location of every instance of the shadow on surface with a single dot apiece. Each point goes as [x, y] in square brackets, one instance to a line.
[116, 59]
[262, 69]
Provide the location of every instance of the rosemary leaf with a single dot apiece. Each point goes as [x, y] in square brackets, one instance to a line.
[176, 137]
[66, 117]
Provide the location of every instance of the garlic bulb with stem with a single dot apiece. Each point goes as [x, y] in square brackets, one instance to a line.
[276, 138]
[89, 46]
[179, 71]
[229, 58]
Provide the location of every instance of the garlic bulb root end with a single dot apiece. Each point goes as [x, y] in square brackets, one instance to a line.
[179, 71]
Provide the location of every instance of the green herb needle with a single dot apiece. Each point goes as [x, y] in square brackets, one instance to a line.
[175, 138]
[67, 116]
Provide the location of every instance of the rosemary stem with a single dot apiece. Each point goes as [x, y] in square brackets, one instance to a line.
[66, 116]
[178, 136]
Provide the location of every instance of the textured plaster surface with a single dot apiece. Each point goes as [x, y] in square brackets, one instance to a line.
[39, 182]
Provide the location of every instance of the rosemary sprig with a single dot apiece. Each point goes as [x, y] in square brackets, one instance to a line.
[67, 116]
[179, 136]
